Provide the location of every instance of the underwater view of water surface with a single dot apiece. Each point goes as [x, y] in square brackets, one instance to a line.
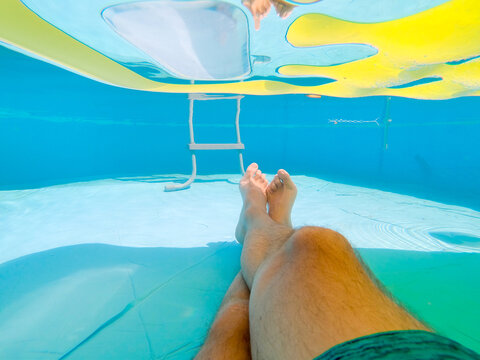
[98, 261]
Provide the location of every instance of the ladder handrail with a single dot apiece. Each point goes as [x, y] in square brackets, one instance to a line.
[193, 146]
[237, 121]
[190, 121]
[174, 187]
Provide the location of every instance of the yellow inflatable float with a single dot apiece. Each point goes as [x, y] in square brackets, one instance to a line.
[430, 50]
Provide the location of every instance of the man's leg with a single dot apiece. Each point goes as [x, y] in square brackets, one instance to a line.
[229, 336]
[309, 291]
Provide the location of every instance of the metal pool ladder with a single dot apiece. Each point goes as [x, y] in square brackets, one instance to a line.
[193, 146]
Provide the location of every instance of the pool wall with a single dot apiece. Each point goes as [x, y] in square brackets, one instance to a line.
[58, 127]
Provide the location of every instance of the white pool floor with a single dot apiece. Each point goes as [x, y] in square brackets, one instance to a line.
[65, 296]
[137, 212]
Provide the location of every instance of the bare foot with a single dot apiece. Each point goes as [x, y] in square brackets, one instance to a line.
[282, 8]
[281, 194]
[259, 9]
[253, 186]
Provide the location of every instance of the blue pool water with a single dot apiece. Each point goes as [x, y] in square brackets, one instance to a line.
[97, 262]
[57, 127]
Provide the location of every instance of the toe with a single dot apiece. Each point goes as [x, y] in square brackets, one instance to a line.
[277, 183]
[264, 179]
[286, 179]
[251, 170]
[282, 173]
[271, 188]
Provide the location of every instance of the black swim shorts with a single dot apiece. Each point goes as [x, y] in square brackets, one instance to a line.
[396, 345]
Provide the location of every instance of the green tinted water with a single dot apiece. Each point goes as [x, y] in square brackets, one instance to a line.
[443, 289]
[109, 302]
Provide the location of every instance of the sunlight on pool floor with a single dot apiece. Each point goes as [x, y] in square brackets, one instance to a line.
[119, 268]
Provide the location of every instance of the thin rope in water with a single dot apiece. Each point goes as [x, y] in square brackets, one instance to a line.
[356, 122]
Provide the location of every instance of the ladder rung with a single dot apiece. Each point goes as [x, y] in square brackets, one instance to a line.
[213, 97]
[216, 146]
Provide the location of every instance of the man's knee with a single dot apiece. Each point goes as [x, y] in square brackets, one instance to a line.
[317, 241]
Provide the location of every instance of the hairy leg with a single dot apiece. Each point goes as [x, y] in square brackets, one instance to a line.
[256, 230]
[229, 336]
[309, 291]
[314, 293]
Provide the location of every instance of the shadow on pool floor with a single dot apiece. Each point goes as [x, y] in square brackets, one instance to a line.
[101, 301]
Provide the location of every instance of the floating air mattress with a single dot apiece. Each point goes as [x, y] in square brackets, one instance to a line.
[427, 49]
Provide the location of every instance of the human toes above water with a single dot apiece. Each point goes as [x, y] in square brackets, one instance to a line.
[253, 187]
[261, 8]
[281, 194]
[253, 184]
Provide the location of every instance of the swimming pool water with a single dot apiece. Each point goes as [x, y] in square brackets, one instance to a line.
[119, 268]
[97, 262]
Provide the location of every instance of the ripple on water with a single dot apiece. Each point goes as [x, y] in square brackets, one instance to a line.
[457, 238]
